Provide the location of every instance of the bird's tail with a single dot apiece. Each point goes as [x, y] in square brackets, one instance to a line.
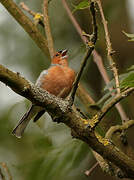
[19, 129]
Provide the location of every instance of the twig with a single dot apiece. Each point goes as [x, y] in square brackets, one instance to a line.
[25, 7]
[97, 118]
[4, 165]
[109, 47]
[75, 23]
[91, 45]
[38, 20]
[119, 128]
[88, 172]
[84, 96]
[100, 65]
[27, 24]
[48, 29]
[78, 76]
[60, 109]
[2, 177]
[96, 57]
[117, 98]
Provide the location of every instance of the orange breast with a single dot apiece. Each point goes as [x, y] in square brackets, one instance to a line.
[58, 81]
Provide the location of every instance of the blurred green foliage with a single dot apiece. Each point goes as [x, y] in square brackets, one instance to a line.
[47, 150]
[130, 36]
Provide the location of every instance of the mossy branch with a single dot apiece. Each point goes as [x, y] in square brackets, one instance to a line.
[27, 25]
[61, 111]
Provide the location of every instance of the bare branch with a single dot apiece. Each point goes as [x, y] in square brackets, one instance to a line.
[96, 57]
[91, 45]
[97, 118]
[48, 29]
[109, 47]
[88, 172]
[84, 96]
[2, 177]
[27, 24]
[6, 169]
[61, 111]
[38, 20]
[75, 23]
[78, 76]
[25, 7]
[119, 128]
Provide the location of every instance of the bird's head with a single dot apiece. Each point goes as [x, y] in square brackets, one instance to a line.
[60, 58]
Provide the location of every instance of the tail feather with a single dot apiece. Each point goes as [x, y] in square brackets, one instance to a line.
[19, 129]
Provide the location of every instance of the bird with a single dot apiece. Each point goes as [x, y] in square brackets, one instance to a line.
[57, 80]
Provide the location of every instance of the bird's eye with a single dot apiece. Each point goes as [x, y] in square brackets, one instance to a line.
[56, 54]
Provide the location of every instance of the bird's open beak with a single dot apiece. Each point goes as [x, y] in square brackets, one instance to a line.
[64, 54]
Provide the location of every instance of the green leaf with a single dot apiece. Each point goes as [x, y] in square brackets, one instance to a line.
[82, 5]
[105, 97]
[108, 101]
[128, 81]
[131, 68]
[131, 36]
[122, 78]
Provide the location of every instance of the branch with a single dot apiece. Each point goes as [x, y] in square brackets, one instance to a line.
[27, 24]
[2, 177]
[116, 99]
[119, 128]
[78, 76]
[91, 45]
[4, 166]
[25, 7]
[97, 118]
[37, 16]
[96, 57]
[109, 47]
[88, 172]
[61, 111]
[84, 97]
[48, 29]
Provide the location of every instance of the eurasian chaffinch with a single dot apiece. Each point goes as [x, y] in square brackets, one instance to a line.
[57, 80]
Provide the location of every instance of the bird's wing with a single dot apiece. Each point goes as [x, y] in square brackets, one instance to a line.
[39, 83]
[41, 77]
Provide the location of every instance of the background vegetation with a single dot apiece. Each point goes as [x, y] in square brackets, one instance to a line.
[47, 150]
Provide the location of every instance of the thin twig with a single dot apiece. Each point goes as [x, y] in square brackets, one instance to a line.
[4, 165]
[26, 8]
[91, 45]
[38, 20]
[60, 109]
[116, 99]
[119, 128]
[27, 25]
[2, 177]
[48, 29]
[88, 172]
[109, 47]
[96, 58]
[97, 118]
[46, 22]
[78, 76]
[38, 17]
[100, 65]
[84, 96]
[75, 23]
